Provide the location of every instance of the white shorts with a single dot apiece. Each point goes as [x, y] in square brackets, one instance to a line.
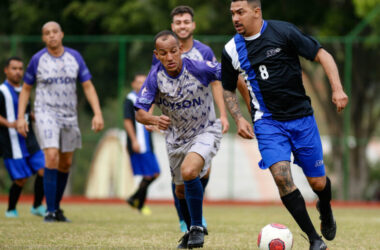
[206, 145]
[52, 134]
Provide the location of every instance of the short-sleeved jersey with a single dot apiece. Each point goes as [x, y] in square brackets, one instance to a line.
[13, 145]
[186, 99]
[142, 134]
[56, 79]
[269, 61]
[199, 52]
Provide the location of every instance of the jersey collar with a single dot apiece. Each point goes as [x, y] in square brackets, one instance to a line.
[263, 27]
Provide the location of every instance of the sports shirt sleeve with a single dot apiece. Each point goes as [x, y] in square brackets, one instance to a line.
[209, 55]
[205, 71]
[148, 91]
[128, 109]
[83, 73]
[305, 45]
[229, 73]
[31, 71]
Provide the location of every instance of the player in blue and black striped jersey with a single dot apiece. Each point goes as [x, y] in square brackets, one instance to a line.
[266, 52]
[22, 156]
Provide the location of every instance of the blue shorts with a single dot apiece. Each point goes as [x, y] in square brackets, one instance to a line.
[278, 139]
[145, 164]
[24, 167]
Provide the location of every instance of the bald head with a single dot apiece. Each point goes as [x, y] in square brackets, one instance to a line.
[51, 24]
[52, 36]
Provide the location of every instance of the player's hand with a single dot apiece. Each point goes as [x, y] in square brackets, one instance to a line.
[340, 99]
[225, 124]
[245, 129]
[135, 147]
[163, 122]
[97, 123]
[151, 128]
[22, 126]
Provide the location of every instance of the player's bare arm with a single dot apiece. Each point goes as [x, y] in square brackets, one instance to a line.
[92, 98]
[244, 127]
[128, 125]
[339, 97]
[217, 92]
[283, 177]
[22, 125]
[146, 118]
[5, 123]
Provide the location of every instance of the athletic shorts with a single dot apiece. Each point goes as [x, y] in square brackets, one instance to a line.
[51, 134]
[206, 145]
[145, 164]
[278, 139]
[24, 167]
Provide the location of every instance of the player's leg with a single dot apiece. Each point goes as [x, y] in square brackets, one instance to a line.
[50, 182]
[14, 195]
[37, 162]
[182, 223]
[65, 162]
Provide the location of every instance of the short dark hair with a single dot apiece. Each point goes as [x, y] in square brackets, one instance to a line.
[12, 58]
[182, 9]
[256, 2]
[165, 33]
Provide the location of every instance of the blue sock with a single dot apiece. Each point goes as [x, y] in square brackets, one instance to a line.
[61, 185]
[204, 182]
[50, 188]
[176, 203]
[194, 199]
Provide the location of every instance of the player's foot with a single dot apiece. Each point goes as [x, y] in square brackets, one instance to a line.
[133, 202]
[60, 216]
[145, 211]
[328, 224]
[196, 237]
[11, 213]
[182, 226]
[50, 217]
[183, 241]
[317, 244]
[39, 211]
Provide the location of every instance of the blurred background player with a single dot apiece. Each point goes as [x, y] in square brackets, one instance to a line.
[268, 54]
[55, 70]
[140, 149]
[22, 156]
[185, 90]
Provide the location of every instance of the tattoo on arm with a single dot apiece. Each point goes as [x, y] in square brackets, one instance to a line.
[232, 104]
[283, 177]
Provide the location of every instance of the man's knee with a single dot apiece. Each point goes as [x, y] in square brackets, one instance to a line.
[21, 182]
[189, 172]
[317, 183]
[180, 191]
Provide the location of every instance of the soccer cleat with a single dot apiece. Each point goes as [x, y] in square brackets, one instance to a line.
[183, 241]
[50, 217]
[317, 244]
[196, 237]
[145, 211]
[133, 202]
[182, 226]
[11, 213]
[38, 211]
[60, 216]
[328, 224]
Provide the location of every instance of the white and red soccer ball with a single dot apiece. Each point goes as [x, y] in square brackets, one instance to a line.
[275, 237]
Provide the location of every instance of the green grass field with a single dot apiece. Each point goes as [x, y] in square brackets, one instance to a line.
[97, 226]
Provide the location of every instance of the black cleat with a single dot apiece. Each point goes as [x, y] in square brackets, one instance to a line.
[196, 238]
[328, 224]
[60, 216]
[205, 230]
[317, 244]
[183, 241]
[50, 217]
[133, 202]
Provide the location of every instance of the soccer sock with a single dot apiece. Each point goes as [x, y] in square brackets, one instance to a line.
[176, 203]
[38, 191]
[295, 204]
[14, 195]
[184, 209]
[325, 198]
[204, 182]
[50, 188]
[61, 185]
[143, 189]
[194, 199]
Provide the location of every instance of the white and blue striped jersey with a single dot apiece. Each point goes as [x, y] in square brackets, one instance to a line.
[56, 79]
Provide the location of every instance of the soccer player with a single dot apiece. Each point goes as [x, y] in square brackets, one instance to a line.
[22, 156]
[55, 70]
[267, 54]
[140, 149]
[181, 89]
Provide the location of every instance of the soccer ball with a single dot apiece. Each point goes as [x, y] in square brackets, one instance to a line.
[275, 237]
